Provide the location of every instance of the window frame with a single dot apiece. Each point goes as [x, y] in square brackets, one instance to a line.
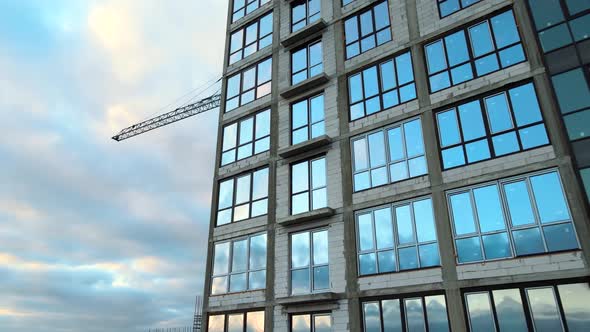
[470, 52]
[461, 7]
[243, 45]
[486, 124]
[310, 188]
[401, 298]
[234, 313]
[378, 64]
[311, 315]
[388, 161]
[522, 288]
[357, 17]
[309, 124]
[308, 67]
[250, 201]
[507, 218]
[253, 141]
[311, 266]
[248, 269]
[396, 246]
[307, 14]
[254, 89]
[259, 3]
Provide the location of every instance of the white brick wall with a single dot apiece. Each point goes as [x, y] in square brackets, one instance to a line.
[399, 279]
[231, 301]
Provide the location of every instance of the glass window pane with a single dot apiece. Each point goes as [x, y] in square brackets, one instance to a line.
[221, 262]
[258, 252]
[468, 250]
[471, 120]
[216, 323]
[462, 73]
[543, 306]
[577, 125]
[580, 27]
[226, 194]
[489, 208]
[318, 173]
[574, 299]
[243, 189]
[456, 46]
[322, 323]
[219, 285]
[371, 87]
[511, 55]
[315, 54]
[300, 177]
[405, 72]
[486, 64]
[509, 310]
[355, 86]
[496, 246]
[448, 128]
[480, 312]
[359, 147]
[372, 317]
[263, 124]
[498, 113]
[317, 108]
[505, 31]
[549, 197]
[424, 218]
[481, 39]
[396, 147]
[381, 16]
[436, 311]
[435, 57]
[525, 105]
[477, 151]
[367, 264]
[391, 316]
[237, 282]
[362, 181]
[572, 90]
[301, 323]
[417, 166]
[260, 184]
[413, 133]
[351, 30]
[560, 237]
[505, 144]
[546, 12]
[388, 80]
[385, 226]
[257, 280]
[528, 241]
[300, 250]
[408, 258]
[239, 256]
[319, 199]
[255, 321]
[453, 157]
[321, 279]
[300, 283]
[462, 214]
[585, 173]
[377, 149]
[555, 37]
[320, 247]
[519, 204]
[414, 315]
[429, 255]
[365, 231]
[386, 261]
[366, 20]
[229, 136]
[534, 136]
[405, 230]
[439, 81]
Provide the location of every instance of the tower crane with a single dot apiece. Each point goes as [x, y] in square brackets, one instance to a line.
[162, 120]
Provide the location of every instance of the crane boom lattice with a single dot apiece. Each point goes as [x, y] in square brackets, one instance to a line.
[170, 117]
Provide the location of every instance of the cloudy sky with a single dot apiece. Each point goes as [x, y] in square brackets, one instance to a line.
[97, 235]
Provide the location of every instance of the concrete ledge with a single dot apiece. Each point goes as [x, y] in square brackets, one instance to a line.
[307, 299]
[312, 144]
[298, 36]
[308, 84]
[307, 216]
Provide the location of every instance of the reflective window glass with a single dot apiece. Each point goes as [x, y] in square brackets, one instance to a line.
[367, 30]
[448, 7]
[308, 186]
[309, 262]
[255, 83]
[306, 62]
[248, 40]
[307, 119]
[419, 313]
[243, 197]
[304, 12]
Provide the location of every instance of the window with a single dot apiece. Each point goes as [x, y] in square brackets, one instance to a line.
[309, 262]
[248, 85]
[573, 96]
[381, 86]
[246, 138]
[306, 62]
[308, 186]
[367, 30]
[420, 313]
[511, 217]
[490, 127]
[397, 237]
[307, 119]
[239, 265]
[304, 12]
[448, 7]
[250, 39]
[243, 197]
[242, 8]
[560, 22]
[476, 51]
[506, 309]
[585, 174]
[252, 321]
[388, 155]
[311, 323]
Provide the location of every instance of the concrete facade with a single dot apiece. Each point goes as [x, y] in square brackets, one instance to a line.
[414, 23]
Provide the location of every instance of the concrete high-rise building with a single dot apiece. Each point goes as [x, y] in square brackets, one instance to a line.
[402, 165]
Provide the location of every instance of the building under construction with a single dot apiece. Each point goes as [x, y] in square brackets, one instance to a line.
[402, 165]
